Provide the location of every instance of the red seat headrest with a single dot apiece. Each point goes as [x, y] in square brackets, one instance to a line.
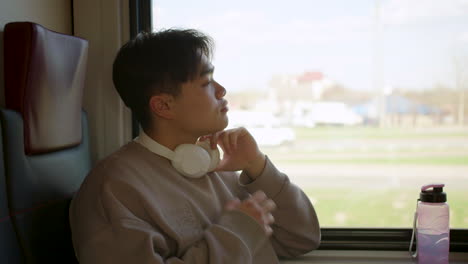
[44, 80]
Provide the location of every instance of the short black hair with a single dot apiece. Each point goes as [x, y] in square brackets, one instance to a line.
[156, 63]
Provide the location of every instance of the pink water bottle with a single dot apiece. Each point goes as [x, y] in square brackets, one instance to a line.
[432, 228]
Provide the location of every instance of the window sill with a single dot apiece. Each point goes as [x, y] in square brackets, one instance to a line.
[363, 256]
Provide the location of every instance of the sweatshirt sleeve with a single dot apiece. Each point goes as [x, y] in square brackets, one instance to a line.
[296, 230]
[128, 239]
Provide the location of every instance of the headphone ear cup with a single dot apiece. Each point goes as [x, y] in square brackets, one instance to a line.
[215, 156]
[191, 160]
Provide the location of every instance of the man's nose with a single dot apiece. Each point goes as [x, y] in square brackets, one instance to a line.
[220, 90]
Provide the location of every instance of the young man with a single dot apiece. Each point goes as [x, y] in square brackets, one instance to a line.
[136, 207]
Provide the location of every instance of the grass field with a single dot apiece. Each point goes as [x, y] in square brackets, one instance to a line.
[411, 156]
[370, 208]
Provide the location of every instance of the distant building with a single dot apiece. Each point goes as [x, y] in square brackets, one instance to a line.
[399, 111]
[295, 95]
[313, 83]
[308, 86]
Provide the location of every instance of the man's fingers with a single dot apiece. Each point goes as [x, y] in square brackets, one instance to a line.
[214, 139]
[268, 230]
[259, 196]
[268, 205]
[220, 141]
[257, 206]
[269, 219]
[228, 137]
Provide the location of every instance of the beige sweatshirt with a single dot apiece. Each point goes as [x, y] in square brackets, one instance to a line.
[134, 207]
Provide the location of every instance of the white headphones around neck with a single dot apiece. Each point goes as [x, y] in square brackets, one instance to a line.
[191, 160]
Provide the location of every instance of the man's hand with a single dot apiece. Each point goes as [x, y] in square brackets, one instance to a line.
[257, 206]
[240, 151]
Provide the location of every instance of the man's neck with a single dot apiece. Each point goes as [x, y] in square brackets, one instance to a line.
[171, 139]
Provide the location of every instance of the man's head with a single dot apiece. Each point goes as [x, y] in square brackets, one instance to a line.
[164, 75]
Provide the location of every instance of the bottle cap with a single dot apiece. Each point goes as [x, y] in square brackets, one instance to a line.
[436, 195]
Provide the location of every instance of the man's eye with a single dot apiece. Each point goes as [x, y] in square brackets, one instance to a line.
[208, 82]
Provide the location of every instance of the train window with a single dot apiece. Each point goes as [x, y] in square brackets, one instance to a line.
[359, 102]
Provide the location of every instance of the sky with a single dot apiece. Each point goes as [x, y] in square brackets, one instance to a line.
[255, 40]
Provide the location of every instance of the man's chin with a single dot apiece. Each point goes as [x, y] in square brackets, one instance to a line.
[221, 127]
[225, 124]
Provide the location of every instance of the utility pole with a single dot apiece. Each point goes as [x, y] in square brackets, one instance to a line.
[461, 107]
[460, 75]
[378, 63]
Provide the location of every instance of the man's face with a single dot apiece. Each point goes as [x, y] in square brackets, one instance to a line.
[200, 108]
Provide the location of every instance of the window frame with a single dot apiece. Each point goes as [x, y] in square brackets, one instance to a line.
[140, 21]
[393, 239]
[388, 239]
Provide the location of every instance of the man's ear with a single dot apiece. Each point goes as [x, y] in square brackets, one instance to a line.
[162, 105]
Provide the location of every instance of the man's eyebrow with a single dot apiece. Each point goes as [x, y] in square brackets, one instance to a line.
[207, 70]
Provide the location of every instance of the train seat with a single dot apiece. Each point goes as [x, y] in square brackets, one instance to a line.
[9, 247]
[45, 138]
